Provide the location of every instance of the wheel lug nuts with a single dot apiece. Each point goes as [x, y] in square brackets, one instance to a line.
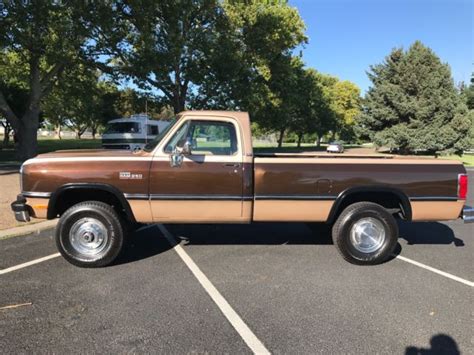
[88, 237]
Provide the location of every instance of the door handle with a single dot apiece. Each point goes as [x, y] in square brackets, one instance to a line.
[233, 165]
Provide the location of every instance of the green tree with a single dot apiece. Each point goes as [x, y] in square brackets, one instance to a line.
[344, 99]
[275, 102]
[324, 118]
[129, 102]
[14, 89]
[73, 101]
[197, 53]
[54, 109]
[163, 46]
[469, 94]
[261, 73]
[43, 37]
[312, 112]
[16, 96]
[413, 104]
[81, 101]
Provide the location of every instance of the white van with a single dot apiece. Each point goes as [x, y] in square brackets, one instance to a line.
[131, 133]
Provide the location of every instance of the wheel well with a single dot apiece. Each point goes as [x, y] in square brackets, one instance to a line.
[392, 200]
[68, 196]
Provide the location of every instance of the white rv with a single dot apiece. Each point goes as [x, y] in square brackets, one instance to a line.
[131, 133]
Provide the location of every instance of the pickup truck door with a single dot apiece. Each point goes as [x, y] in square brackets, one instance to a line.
[207, 184]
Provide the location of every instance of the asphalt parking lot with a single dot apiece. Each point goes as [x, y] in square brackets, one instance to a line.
[283, 282]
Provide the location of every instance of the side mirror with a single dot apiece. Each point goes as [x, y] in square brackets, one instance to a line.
[186, 149]
[176, 158]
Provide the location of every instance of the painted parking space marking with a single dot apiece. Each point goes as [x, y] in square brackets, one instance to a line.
[239, 325]
[436, 271]
[29, 263]
[13, 306]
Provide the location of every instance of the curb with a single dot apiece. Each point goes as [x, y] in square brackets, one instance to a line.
[30, 228]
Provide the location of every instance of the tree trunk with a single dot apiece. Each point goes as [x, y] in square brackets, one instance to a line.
[78, 134]
[27, 128]
[94, 131]
[27, 136]
[280, 139]
[58, 132]
[6, 138]
[318, 141]
[178, 104]
[300, 138]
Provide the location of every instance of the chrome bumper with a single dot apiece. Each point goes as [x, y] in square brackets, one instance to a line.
[468, 214]
[20, 209]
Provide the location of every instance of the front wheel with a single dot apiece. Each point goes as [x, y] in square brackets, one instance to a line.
[90, 234]
[365, 233]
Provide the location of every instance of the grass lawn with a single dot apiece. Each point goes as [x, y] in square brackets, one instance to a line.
[466, 159]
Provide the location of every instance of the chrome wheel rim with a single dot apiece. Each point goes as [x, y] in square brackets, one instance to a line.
[88, 236]
[367, 235]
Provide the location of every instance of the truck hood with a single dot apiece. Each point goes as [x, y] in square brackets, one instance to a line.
[87, 154]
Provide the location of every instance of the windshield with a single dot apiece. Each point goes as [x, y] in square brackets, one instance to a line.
[152, 144]
[123, 127]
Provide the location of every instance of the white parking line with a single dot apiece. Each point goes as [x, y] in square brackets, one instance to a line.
[436, 271]
[244, 331]
[29, 263]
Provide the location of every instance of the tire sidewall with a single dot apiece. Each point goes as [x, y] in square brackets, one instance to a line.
[112, 225]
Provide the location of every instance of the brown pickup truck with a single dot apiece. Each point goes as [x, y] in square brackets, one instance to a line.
[202, 169]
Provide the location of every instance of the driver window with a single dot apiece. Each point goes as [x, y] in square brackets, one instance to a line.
[206, 137]
[213, 138]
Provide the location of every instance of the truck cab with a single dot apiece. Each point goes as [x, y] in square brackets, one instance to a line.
[202, 170]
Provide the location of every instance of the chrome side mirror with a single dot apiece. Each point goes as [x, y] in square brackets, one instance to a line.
[176, 158]
[186, 149]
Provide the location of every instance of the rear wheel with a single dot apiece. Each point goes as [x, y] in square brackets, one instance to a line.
[365, 233]
[90, 234]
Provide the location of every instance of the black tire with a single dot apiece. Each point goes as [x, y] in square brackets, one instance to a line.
[360, 213]
[102, 222]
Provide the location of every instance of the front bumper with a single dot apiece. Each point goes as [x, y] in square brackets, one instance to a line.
[20, 209]
[468, 214]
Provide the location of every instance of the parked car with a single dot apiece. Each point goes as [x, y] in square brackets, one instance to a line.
[335, 147]
[98, 194]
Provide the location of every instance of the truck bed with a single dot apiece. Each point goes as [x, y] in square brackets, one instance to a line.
[290, 186]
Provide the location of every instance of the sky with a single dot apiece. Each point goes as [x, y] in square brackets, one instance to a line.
[346, 37]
